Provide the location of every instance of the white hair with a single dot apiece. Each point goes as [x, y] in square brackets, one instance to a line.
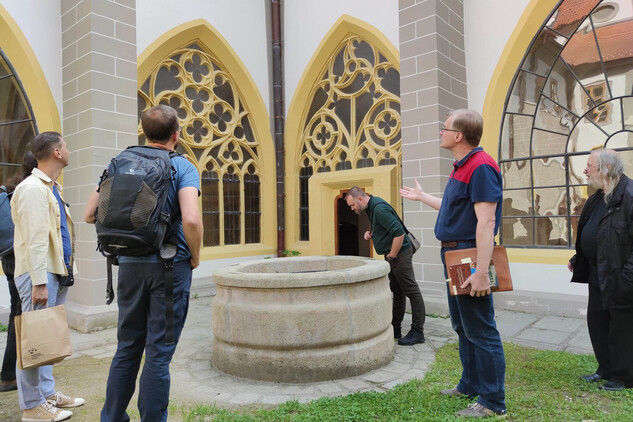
[610, 170]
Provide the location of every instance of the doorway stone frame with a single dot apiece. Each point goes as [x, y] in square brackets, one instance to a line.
[323, 188]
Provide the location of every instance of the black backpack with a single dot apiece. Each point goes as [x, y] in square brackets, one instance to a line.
[6, 223]
[131, 219]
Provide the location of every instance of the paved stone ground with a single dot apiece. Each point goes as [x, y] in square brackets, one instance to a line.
[194, 380]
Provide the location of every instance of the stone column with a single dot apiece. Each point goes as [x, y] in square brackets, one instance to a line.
[99, 120]
[432, 82]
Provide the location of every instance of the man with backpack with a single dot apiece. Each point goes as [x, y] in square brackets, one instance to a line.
[151, 309]
[43, 247]
[389, 235]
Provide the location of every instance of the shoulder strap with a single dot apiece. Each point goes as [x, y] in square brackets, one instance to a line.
[406, 231]
[398, 217]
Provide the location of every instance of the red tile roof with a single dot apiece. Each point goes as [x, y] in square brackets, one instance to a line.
[572, 11]
[616, 42]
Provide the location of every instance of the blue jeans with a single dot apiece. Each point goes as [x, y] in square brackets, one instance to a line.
[480, 347]
[141, 327]
[35, 384]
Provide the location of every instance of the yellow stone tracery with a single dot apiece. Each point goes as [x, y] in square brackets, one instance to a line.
[216, 135]
[331, 144]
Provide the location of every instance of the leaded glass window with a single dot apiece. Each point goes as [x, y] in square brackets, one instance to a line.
[353, 120]
[573, 93]
[216, 136]
[17, 125]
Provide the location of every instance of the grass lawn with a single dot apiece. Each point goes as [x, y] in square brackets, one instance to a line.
[540, 386]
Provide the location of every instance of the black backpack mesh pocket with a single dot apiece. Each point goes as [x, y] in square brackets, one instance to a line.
[144, 206]
[104, 199]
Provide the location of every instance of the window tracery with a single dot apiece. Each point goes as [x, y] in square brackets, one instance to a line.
[216, 136]
[572, 93]
[17, 124]
[353, 120]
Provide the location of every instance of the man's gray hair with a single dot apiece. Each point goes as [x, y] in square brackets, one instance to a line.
[610, 169]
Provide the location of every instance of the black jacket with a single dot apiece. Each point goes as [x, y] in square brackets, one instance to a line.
[615, 247]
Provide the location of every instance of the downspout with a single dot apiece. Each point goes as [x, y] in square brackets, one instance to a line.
[278, 95]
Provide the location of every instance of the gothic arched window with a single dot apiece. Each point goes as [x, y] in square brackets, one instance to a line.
[573, 93]
[216, 136]
[354, 117]
[17, 124]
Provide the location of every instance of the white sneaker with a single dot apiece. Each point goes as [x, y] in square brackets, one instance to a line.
[45, 412]
[61, 400]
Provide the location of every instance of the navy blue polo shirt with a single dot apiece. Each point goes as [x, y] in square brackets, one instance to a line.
[475, 178]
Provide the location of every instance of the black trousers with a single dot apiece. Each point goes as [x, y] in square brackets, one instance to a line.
[611, 336]
[8, 362]
[403, 285]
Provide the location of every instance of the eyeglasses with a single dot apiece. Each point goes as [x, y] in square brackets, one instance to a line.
[445, 129]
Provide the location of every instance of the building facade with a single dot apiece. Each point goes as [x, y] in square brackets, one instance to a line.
[366, 87]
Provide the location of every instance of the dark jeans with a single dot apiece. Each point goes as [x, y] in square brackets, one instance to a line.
[480, 347]
[8, 362]
[403, 285]
[612, 339]
[141, 300]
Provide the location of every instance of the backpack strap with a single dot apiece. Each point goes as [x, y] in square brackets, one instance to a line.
[111, 259]
[169, 302]
[168, 252]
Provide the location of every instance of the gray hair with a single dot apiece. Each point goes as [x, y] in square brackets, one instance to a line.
[610, 169]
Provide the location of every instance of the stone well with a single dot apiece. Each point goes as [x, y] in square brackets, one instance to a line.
[302, 319]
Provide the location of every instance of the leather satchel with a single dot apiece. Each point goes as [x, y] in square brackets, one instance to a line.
[415, 243]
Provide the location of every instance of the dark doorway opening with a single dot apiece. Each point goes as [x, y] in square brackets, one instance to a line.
[350, 230]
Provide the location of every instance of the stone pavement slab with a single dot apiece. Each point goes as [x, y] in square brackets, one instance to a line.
[537, 336]
[568, 325]
[512, 323]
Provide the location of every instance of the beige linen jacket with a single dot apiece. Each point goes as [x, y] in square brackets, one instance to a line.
[38, 238]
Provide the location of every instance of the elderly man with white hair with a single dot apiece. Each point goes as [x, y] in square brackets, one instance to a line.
[604, 260]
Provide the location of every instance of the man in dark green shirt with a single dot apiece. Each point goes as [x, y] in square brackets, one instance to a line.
[389, 239]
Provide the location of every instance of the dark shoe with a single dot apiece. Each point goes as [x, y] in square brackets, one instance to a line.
[612, 386]
[397, 332]
[453, 392]
[412, 337]
[591, 377]
[477, 410]
[8, 386]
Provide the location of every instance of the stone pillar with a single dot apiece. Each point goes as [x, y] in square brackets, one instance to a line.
[99, 120]
[432, 82]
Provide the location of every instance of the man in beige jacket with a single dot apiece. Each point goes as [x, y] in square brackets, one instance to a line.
[43, 246]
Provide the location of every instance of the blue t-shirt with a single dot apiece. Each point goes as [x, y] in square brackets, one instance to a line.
[186, 176]
[66, 244]
[475, 178]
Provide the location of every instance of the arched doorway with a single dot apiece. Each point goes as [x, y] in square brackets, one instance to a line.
[350, 228]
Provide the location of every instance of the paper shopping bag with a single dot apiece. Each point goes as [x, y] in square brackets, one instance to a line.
[42, 337]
